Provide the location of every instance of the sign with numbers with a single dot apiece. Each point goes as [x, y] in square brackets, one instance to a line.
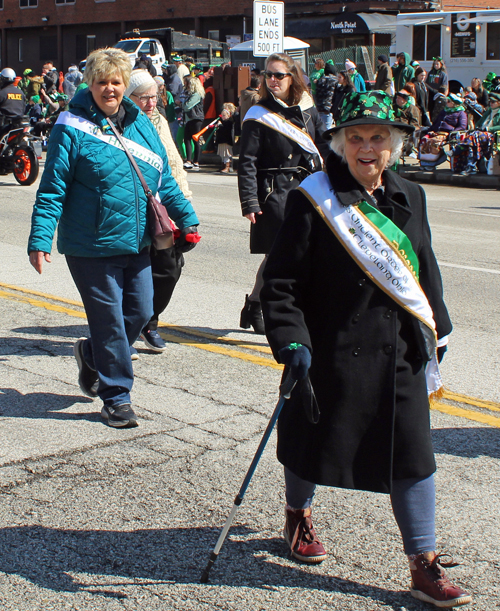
[268, 27]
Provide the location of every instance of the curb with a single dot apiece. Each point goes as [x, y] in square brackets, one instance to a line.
[445, 177]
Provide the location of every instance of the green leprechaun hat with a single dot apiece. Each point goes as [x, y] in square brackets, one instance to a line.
[367, 108]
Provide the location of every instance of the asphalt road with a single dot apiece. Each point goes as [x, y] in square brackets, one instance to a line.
[94, 518]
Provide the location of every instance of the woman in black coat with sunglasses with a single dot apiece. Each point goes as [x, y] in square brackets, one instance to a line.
[271, 163]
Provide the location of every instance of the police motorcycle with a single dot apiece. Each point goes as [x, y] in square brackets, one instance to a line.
[17, 155]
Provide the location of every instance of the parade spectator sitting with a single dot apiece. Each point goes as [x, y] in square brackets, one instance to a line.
[489, 81]
[35, 110]
[383, 80]
[249, 96]
[439, 100]
[72, 79]
[452, 118]
[357, 79]
[480, 91]
[325, 89]
[476, 147]
[224, 137]
[473, 108]
[402, 71]
[404, 110]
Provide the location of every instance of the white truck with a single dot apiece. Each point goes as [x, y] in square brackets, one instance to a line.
[135, 47]
[468, 42]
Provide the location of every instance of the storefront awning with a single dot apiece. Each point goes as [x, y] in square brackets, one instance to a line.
[341, 24]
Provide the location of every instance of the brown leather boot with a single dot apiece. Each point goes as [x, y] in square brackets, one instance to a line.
[430, 583]
[301, 537]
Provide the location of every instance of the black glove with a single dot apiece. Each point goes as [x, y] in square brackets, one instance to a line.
[187, 239]
[298, 358]
[440, 353]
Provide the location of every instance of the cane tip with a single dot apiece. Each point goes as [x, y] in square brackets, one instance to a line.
[204, 577]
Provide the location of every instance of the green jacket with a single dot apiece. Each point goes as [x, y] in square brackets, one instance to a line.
[402, 73]
[485, 117]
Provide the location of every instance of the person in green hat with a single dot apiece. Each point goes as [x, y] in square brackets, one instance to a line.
[488, 81]
[25, 81]
[353, 308]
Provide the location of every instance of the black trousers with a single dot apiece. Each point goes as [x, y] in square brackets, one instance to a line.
[166, 266]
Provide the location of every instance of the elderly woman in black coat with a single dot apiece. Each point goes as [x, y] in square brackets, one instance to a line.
[281, 143]
[353, 297]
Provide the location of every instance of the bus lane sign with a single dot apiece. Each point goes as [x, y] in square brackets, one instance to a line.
[268, 27]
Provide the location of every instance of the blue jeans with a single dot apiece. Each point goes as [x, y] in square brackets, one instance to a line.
[327, 119]
[413, 503]
[117, 293]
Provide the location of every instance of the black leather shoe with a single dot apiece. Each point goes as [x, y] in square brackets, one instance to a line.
[251, 315]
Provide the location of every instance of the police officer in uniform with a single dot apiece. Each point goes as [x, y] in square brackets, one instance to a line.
[12, 102]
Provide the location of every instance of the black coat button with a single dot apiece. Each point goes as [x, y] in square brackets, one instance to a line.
[388, 314]
[356, 352]
[362, 282]
[355, 319]
[388, 349]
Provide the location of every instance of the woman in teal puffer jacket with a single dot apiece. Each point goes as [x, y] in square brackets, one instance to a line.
[90, 188]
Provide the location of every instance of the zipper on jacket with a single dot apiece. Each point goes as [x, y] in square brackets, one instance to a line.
[137, 215]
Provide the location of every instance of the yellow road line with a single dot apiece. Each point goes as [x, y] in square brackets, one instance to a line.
[453, 396]
[244, 356]
[187, 330]
[257, 360]
[38, 294]
[463, 413]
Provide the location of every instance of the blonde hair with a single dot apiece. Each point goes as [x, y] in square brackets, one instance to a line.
[231, 108]
[106, 63]
[193, 84]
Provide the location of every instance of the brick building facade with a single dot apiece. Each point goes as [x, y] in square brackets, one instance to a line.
[33, 31]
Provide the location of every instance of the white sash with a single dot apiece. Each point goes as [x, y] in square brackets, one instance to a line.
[376, 256]
[138, 151]
[281, 125]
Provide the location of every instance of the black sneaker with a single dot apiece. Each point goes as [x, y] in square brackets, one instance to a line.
[120, 417]
[88, 380]
[153, 340]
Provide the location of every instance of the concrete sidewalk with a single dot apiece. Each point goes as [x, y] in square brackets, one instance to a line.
[411, 170]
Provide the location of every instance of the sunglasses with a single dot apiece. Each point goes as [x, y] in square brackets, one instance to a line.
[277, 75]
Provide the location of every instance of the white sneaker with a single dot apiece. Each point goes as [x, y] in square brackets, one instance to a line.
[188, 165]
[196, 167]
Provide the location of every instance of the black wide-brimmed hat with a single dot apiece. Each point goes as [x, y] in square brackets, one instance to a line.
[367, 108]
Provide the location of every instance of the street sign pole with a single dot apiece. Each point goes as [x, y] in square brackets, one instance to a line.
[268, 27]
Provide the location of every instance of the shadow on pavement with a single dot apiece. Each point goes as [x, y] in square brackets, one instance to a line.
[468, 443]
[14, 404]
[48, 557]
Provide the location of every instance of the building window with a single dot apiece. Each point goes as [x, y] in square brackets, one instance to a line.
[426, 41]
[21, 58]
[28, 3]
[213, 34]
[1, 5]
[493, 41]
[48, 48]
[65, 1]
